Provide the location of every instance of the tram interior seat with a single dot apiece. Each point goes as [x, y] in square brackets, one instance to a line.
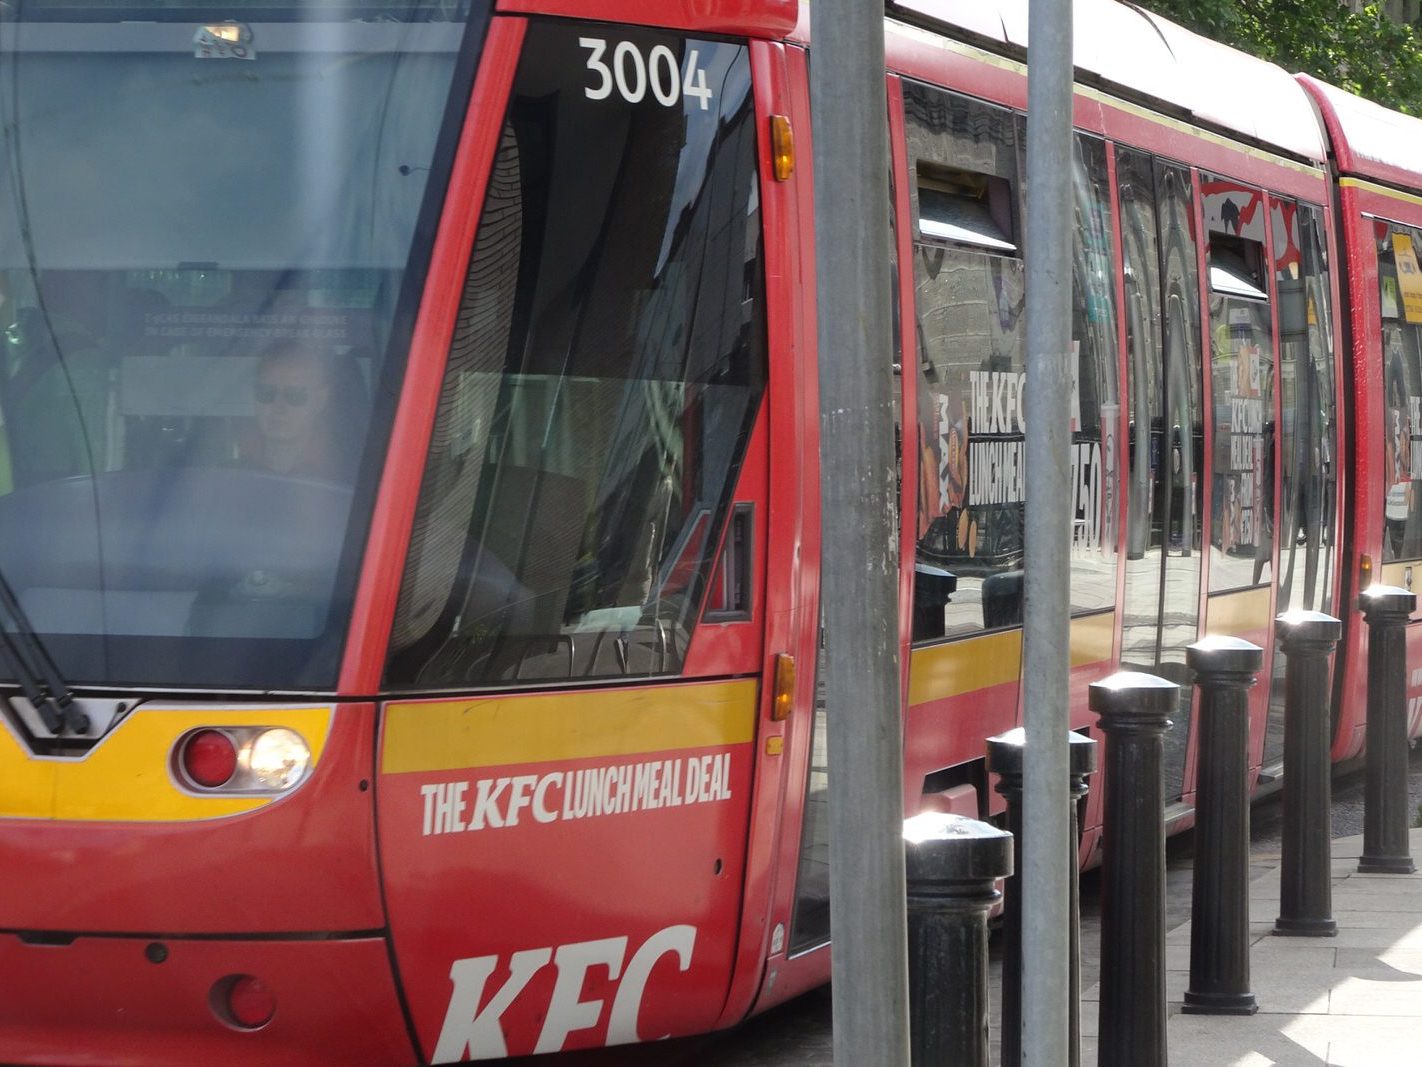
[1002, 600]
[528, 529]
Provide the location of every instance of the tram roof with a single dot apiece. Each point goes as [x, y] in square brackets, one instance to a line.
[1369, 140]
[1148, 56]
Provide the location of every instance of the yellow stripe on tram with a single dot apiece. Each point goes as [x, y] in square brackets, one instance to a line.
[1241, 612]
[1399, 575]
[1092, 639]
[559, 727]
[946, 670]
[940, 671]
[126, 777]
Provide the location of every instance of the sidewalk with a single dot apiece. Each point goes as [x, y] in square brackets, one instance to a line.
[1354, 999]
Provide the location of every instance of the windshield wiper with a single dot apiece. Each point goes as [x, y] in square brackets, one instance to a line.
[35, 671]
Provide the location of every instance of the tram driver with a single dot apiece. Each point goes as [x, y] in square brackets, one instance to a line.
[309, 414]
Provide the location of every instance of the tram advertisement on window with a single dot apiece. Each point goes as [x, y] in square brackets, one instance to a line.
[974, 464]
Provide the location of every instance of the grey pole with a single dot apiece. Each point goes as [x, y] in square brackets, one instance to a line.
[861, 559]
[1048, 856]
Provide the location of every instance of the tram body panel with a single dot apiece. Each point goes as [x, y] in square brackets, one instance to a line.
[145, 1002]
[966, 69]
[123, 847]
[959, 693]
[588, 546]
[743, 18]
[785, 741]
[597, 891]
[1379, 189]
[477, 143]
[575, 817]
[1381, 521]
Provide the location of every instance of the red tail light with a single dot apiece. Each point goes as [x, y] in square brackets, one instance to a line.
[245, 1001]
[209, 758]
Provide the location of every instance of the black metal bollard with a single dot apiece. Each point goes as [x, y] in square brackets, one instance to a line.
[1385, 844]
[1225, 670]
[1305, 879]
[951, 864]
[1005, 757]
[1135, 713]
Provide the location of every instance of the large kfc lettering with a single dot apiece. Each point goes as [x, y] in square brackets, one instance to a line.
[479, 1034]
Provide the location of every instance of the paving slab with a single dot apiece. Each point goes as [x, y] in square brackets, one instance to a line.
[1351, 999]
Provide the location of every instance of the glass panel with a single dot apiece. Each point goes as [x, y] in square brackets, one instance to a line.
[1314, 498]
[1095, 401]
[1402, 381]
[810, 923]
[1308, 440]
[971, 376]
[1180, 488]
[1242, 391]
[1145, 399]
[201, 269]
[1163, 533]
[602, 380]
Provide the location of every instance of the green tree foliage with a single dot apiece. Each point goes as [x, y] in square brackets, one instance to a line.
[1360, 50]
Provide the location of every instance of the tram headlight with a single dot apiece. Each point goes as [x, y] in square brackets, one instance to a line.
[276, 759]
[243, 760]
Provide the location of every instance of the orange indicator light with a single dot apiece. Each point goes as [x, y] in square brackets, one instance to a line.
[784, 698]
[782, 147]
[1365, 575]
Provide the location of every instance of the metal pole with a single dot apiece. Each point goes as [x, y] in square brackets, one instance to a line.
[1048, 855]
[861, 559]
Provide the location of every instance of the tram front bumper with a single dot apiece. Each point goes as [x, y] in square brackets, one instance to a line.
[155, 1001]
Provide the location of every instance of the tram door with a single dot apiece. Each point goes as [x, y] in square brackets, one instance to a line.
[1165, 439]
[1308, 438]
[565, 771]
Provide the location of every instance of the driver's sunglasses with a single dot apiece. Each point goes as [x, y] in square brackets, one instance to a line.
[293, 396]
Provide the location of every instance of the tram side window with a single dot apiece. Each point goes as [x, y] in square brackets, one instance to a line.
[1242, 388]
[607, 364]
[1400, 297]
[969, 287]
[968, 282]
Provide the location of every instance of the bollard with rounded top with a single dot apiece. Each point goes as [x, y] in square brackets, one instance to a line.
[1225, 670]
[1005, 758]
[951, 864]
[1135, 712]
[1307, 638]
[1385, 814]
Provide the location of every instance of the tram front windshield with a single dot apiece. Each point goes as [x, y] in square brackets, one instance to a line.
[207, 232]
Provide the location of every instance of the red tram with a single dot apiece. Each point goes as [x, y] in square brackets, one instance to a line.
[411, 558]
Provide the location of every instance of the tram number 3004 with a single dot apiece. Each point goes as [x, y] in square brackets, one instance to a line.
[478, 1033]
[632, 74]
